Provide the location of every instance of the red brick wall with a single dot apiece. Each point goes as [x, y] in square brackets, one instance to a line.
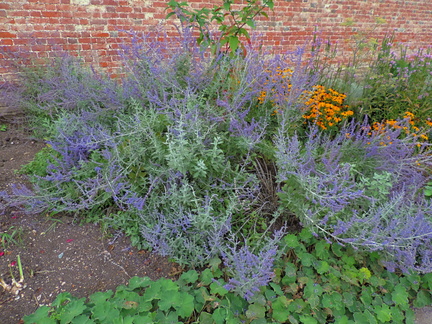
[39, 28]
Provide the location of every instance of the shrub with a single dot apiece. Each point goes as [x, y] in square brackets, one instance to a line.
[363, 188]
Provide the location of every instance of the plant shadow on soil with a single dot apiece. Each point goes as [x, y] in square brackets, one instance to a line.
[56, 253]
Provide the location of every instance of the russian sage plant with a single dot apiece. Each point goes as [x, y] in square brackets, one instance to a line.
[361, 187]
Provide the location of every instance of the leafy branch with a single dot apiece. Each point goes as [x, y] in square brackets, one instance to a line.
[231, 22]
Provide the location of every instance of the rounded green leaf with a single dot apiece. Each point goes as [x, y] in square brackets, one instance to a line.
[400, 295]
[280, 309]
[423, 299]
[190, 277]
[255, 311]
[383, 313]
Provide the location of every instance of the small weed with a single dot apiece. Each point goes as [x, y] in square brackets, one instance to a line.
[3, 128]
[54, 223]
[12, 236]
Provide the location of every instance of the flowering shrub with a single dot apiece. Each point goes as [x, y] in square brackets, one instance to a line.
[322, 106]
[326, 108]
[355, 189]
[407, 126]
[393, 79]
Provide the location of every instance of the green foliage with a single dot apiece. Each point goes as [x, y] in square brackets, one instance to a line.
[3, 127]
[315, 282]
[38, 166]
[382, 80]
[11, 236]
[231, 22]
[398, 83]
[428, 189]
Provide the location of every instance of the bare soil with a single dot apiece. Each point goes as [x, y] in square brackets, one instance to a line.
[57, 254]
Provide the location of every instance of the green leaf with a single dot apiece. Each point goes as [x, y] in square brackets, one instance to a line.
[205, 318]
[306, 259]
[307, 319]
[369, 317]
[99, 297]
[214, 263]
[206, 277]
[366, 297]
[139, 282]
[172, 13]
[427, 278]
[337, 249]
[409, 316]
[383, 313]
[322, 250]
[186, 306]
[190, 277]
[233, 43]
[280, 309]
[270, 4]
[61, 299]
[277, 289]
[255, 311]
[250, 23]
[291, 240]
[217, 288]
[290, 274]
[322, 267]
[423, 299]
[82, 319]
[168, 300]
[312, 289]
[73, 309]
[153, 292]
[298, 306]
[306, 235]
[39, 317]
[400, 295]
[104, 312]
[219, 315]
[168, 285]
[332, 300]
[360, 318]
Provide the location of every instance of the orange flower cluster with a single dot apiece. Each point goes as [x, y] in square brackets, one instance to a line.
[410, 128]
[324, 106]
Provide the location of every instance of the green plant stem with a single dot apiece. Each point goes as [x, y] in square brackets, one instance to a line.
[20, 268]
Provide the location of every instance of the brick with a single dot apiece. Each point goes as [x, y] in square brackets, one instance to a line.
[101, 35]
[4, 34]
[52, 14]
[6, 41]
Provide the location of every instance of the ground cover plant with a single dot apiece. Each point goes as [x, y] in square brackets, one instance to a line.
[211, 157]
[314, 282]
